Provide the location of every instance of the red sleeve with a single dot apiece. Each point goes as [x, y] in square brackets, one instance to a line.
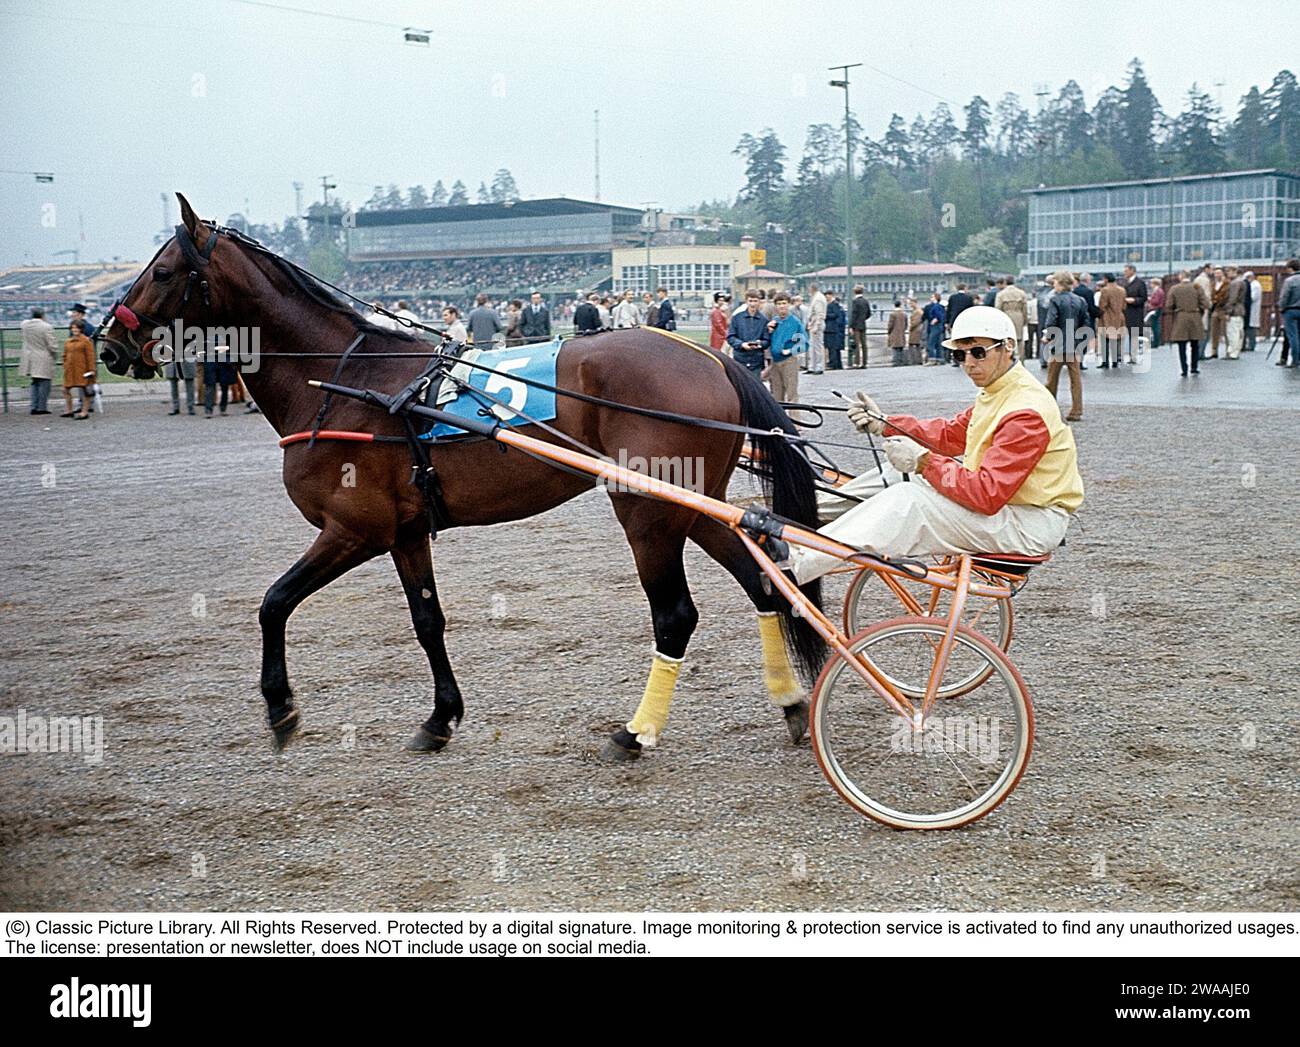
[1018, 443]
[947, 437]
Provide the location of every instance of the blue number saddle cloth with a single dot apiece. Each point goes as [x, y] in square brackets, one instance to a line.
[535, 363]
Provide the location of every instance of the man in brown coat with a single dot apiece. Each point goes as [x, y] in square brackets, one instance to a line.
[1236, 310]
[1185, 304]
[1110, 301]
[915, 331]
[896, 332]
[1218, 315]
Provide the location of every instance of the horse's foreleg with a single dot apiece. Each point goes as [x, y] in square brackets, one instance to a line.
[657, 537]
[331, 555]
[414, 562]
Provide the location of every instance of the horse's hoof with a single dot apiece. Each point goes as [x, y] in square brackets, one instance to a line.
[284, 729]
[796, 721]
[425, 741]
[622, 747]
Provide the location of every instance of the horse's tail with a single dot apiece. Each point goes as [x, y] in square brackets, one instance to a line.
[788, 481]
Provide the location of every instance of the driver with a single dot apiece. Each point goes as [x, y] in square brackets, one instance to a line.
[1015, 491]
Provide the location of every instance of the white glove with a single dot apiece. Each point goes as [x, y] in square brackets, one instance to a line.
[905, 454]
[859, 416]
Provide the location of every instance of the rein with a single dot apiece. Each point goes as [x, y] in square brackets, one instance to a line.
[198, 259]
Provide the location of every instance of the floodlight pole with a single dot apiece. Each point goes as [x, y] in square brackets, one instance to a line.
[848, 177]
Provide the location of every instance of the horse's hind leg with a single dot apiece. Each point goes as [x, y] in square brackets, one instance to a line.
[657, 534]
[330, 556]
[414, 562]
[782, 684]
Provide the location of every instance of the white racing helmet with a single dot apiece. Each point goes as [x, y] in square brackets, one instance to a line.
[981, 321]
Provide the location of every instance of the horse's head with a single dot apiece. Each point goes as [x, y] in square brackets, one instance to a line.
[178, 284]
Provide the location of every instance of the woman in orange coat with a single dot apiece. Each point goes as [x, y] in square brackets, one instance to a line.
[78, 369]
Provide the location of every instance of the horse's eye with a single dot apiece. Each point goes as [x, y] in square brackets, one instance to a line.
[160, 273]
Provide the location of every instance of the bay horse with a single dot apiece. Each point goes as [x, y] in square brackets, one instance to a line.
[210, 277]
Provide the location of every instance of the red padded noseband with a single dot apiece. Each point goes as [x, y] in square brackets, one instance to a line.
[126, 318]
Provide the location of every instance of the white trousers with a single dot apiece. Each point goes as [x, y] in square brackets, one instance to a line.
[817, 351]
[1236, 335]
[913, 519]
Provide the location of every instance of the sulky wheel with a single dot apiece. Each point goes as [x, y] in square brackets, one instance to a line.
[869, 599]
[969, 753]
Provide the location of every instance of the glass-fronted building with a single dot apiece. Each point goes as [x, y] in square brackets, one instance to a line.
[548, 226]
[1243, 218]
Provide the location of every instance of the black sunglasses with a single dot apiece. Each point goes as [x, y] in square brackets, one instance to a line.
[977, 352]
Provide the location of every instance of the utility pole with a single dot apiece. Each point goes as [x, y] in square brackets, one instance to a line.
[297, 202]
[325, 186]
[597, 156]
[652, 221]
[1170, 257]
[1040, 92]
[848, 178]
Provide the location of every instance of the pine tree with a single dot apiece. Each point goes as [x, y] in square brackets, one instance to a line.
[438, 194]
[1014, 128]
[764, 171]
[1249, 133]
[824, 147]
[1108, 117]
[504, 189]
[975, 138]
[1138, 113]
[941, 134]
[1071, 123]
[481, 196]
[1282, 99]
[1196, 135]
[898, 147]
[459, 195]
[393, 199]
[417, 197]
[376, 201]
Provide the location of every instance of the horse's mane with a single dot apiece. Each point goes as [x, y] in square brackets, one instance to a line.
[312, 286]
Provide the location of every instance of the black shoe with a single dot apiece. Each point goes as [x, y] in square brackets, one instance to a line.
[190, 410]
[40, 412]
[1105, 366]
[173, 412]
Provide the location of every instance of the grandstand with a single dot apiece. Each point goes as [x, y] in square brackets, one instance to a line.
[556, 246]
[55, 287]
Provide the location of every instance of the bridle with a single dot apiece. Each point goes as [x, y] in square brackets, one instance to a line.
[133, 320]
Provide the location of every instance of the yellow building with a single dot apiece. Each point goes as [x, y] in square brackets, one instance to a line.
[690, 272]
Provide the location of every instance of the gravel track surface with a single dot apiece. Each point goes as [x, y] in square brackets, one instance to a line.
[1158, 647]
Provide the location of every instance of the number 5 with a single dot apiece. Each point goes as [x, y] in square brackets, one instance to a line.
[518, 392]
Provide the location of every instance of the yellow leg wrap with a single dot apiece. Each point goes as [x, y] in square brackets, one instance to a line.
[778, 674]
[652, 714]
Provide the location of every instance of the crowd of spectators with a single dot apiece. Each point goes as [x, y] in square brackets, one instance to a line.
[504, 275]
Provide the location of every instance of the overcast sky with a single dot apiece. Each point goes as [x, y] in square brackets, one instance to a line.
[230, 102]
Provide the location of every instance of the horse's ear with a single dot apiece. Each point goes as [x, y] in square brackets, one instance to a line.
[188, 217]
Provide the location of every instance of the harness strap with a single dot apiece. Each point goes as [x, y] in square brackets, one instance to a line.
[325, 404]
